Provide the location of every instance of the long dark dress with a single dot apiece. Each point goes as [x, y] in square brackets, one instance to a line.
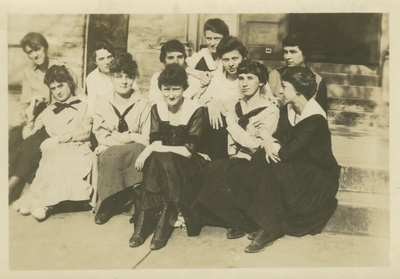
[222, 178]
[297, 195]
[167, 176]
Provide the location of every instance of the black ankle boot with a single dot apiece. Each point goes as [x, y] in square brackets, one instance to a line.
[144, 226]
[164, 229]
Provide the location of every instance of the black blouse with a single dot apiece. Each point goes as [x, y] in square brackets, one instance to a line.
[188, 135]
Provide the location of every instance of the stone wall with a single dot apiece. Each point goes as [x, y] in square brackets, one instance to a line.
[144, 37]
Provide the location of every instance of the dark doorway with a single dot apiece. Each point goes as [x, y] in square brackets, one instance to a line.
[352, 38]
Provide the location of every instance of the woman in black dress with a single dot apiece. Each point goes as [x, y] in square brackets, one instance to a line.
[255, 119]
[296, 194]
[171, 165]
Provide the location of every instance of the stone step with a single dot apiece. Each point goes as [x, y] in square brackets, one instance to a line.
[358, 105]
[360, 214]
[363, 180]
[354, 92]
[361, 147]
[355, 80]
[351, 118]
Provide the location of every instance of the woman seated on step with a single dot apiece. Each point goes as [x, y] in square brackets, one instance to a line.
[171, 164]
[221, 95]
[290, 185]
[172, 52]
[202, 64]
[66, 164]
[254, 119]
[24, 151]
[295, 53]
[121, 126]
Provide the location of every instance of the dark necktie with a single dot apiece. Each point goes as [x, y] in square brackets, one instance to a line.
[243, 120]
[122, 125]
[60, 106]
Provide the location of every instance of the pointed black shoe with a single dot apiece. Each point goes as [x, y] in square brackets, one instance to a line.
[144, 227]
[235, 232]
[102, 218]
[164, 229]
[262, 240]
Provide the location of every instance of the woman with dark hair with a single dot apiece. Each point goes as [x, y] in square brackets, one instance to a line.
[98, 82]
[24, 153]
[66, 163]
[222, 94]
[203, 63]
[172, 52]
[295, 52]
[290, 186]
[255, 118]
[121, 126]
[171, 164]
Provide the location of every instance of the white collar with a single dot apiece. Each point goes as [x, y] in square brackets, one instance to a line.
[257, 101]
[311, 108]
[188, 108]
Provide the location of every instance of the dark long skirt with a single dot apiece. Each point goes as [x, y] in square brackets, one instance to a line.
[117, 170]
[215, 142]
[25, 154]
[294, 197]
[221, 185]
[172, 178]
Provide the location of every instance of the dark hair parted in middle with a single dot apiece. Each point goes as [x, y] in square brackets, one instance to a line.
[230, 43]
[249, 66]
[216, 25]
[102, 44]
[171, 46]
[125, 63]
[302, 79]
[173, 75]
[299, 40]
[59, 74]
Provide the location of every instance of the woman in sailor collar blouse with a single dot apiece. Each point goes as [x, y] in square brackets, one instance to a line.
[255, 119]
[121, 126]
[66, 162]
[295, 193]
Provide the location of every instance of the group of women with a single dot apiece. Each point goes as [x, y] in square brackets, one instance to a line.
[214, 145]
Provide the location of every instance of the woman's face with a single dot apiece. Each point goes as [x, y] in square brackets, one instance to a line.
[103, 59]
[175, 57]
[122, 83]
[37, 55]
[287, 92]
[60, 91]
[212, 40]
[173, 94]
[231, 61]
[249, 84]
[293, 56]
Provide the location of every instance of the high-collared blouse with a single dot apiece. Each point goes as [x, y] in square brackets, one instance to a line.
[243, 142]
[106, 121]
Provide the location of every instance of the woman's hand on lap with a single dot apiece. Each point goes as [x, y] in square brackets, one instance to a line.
[141, 159]
[270, 153]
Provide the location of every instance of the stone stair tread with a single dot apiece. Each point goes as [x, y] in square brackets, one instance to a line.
[361, 147]
[357, 199]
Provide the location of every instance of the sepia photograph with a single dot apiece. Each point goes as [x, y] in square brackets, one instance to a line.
[155, 144]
